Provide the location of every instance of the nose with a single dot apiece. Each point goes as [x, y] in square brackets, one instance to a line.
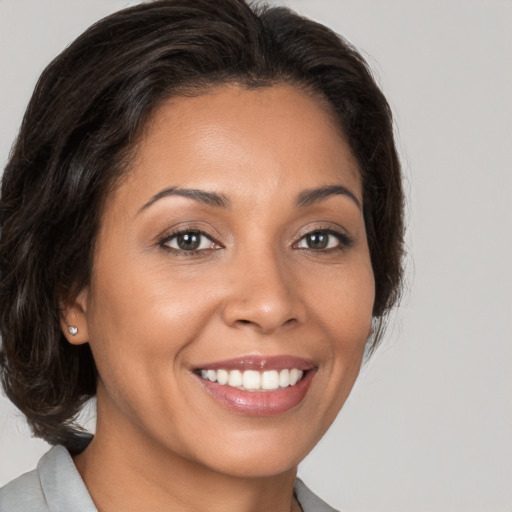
[263, 294]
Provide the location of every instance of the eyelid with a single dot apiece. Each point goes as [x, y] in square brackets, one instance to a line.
[345, 240]
[164, 239]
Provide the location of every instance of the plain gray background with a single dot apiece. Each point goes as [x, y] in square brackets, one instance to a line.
[429, 425]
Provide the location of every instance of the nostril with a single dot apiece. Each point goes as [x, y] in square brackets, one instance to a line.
[263, 311]
[243, 322]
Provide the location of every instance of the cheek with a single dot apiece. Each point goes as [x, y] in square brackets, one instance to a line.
[344, 311]
[139, 324]
[141, 313]
[356, 310]
[343, 301]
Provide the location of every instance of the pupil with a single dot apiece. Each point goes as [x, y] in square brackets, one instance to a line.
[318, 240]
[189, 241]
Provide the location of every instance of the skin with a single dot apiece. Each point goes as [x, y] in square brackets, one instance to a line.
[152, 314]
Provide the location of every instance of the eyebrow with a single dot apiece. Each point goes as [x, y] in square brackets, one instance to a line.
[202, 196]
[312, 196]
[305, 198]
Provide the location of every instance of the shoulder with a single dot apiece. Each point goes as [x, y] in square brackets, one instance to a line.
[55, 485]
[308, 500]
[23, 495]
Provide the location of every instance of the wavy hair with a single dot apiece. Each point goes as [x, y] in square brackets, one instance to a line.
[88, 108]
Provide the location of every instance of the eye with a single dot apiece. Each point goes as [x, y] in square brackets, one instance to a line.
[323, 239]
[188, 241]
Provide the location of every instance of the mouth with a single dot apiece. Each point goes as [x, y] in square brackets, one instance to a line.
[258, 386]
[254, 380]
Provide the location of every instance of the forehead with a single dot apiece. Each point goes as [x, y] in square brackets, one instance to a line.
[270, 140]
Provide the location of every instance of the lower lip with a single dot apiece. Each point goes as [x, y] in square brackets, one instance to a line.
[260, 403]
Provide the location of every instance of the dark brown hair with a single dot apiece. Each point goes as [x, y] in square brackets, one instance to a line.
[86, 112]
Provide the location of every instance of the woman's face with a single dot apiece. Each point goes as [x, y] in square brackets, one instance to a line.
[233, 256]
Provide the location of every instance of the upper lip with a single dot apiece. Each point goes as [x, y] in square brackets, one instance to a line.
[261, 363]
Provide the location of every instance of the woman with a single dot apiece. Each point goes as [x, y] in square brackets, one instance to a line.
[202, 227]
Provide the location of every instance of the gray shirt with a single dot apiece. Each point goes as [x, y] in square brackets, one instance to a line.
[56, 486]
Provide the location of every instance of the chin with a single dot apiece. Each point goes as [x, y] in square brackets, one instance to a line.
[259, 454]
[261, 465]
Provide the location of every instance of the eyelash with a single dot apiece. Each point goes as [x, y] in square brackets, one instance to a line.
[345, 242]
[183, 231]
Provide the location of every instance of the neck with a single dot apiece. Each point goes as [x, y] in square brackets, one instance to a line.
[123, 471]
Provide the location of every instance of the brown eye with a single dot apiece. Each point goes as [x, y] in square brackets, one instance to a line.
[189, 241]
[317, 240]
[321, 240]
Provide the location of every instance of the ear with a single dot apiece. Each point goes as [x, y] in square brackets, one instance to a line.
[73, 318]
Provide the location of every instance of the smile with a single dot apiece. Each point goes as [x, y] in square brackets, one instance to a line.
[258, 386]
[253, 380]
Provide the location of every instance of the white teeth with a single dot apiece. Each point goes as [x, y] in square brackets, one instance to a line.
[270, 380]
[253, 380]
[295, 376]
[235, 378]
[284, 378]
[222, 377]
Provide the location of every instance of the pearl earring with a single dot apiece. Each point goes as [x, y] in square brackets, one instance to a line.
[72, 330]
